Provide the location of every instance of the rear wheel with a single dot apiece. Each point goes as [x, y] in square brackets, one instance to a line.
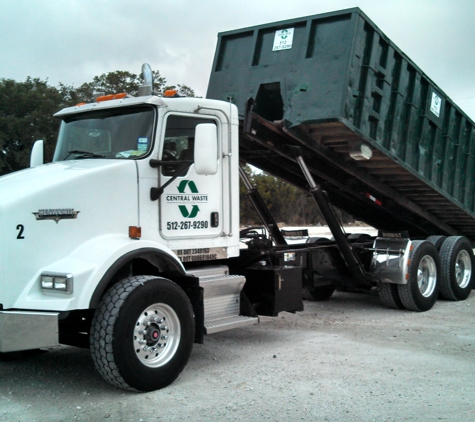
[457, 263]
[142, 333]
[437, 241]
[422, 288]
[389, 295]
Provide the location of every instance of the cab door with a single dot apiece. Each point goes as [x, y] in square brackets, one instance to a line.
[191, 205]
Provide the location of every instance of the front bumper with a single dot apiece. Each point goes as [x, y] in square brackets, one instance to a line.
[25, 330]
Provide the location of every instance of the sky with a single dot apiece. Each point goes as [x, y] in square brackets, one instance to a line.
[71, 41]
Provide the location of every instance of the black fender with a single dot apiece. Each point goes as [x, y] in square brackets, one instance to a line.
[164, 263]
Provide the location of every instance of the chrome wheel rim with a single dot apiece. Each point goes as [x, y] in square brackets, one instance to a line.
[157, 334]
[427, 276]
[463, 269]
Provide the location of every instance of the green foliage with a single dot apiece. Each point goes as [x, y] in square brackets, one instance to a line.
[116, 82]
[26, 110]
[286, 203]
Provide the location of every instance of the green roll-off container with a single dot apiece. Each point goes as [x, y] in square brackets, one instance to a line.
[398, 153]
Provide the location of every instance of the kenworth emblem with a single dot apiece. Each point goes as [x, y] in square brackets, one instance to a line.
[187, 199]
[56, 214]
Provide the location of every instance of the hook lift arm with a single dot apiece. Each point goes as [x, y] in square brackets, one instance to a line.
[351, 258]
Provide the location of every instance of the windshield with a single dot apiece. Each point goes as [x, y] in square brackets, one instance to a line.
[124, 133]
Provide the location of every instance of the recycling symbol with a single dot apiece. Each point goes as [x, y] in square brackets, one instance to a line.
[183, 208]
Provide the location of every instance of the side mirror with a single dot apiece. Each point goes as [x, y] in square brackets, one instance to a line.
[206, 149]
[37, 154]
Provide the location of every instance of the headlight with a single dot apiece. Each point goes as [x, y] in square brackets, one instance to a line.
[57, 281]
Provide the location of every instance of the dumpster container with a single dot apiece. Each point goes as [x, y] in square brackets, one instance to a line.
[336, 84]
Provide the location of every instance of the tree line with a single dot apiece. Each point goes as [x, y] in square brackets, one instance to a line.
[290, 206]
[26, 115]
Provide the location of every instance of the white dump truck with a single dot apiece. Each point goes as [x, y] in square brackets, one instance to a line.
[129, 241]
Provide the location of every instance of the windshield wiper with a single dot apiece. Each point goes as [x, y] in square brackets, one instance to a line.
[83, 154]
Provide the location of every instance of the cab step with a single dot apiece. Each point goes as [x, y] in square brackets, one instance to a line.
[229, 323]
[222, 299]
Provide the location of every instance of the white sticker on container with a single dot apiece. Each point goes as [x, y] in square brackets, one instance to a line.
[283, 39]
[435, 104]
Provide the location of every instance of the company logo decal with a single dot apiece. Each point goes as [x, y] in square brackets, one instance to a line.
[187, 199]
[283, 39]
[56, 214]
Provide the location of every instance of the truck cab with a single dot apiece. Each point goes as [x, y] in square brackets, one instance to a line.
[138, 186]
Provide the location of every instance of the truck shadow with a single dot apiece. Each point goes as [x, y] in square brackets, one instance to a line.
[54, 370]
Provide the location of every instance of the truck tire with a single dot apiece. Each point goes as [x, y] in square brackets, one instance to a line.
[437, 241]
[457, 264]
[318, 294]
[422, 288]
[389, 295]
[142, 333]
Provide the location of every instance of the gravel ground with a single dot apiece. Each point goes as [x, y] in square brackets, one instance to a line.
[348, 359]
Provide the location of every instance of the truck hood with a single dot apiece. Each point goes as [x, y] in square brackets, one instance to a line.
[32, 182]
[48, 212]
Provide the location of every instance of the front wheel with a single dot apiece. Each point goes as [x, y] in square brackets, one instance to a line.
[422, 288]
[142, 333]
[457, 263]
